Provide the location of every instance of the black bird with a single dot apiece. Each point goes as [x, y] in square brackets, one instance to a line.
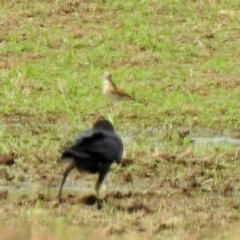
[93, 151]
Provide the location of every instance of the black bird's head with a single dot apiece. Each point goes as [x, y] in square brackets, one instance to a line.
[103, 124]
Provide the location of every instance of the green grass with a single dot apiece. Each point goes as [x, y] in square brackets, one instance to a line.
[155, 48]
[180, 57]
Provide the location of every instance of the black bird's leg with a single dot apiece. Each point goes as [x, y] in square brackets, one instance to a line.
[101, 177]
[70, 167]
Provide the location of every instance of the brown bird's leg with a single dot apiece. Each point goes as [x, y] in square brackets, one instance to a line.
[101, 177]
[70, 167]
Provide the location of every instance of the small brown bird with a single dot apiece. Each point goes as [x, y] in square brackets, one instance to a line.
[111, 91]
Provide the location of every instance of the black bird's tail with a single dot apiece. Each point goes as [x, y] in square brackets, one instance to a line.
[66, 157]
[69, 154]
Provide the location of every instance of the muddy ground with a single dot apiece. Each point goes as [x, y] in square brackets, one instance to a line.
[165, 195]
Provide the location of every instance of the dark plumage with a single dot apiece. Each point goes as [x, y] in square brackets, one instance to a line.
[93, 151]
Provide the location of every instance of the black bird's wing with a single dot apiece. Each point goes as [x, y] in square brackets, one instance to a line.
[104, 145]
[81, 137]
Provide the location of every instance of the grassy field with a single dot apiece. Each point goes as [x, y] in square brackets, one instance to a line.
[181, 58]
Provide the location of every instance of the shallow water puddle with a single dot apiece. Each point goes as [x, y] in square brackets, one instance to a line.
[215, 140]
[74, 187]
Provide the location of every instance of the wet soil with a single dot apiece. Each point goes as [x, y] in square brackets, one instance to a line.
[166, 187]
